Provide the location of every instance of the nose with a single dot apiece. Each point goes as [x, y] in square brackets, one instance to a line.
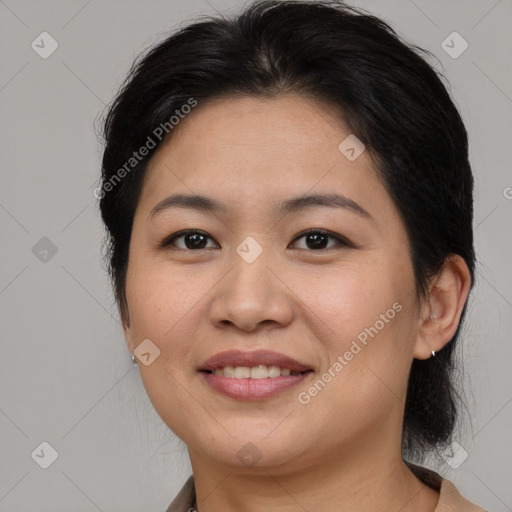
[252, 295]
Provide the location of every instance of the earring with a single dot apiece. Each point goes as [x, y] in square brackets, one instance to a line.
[133, 360]
[433, 353]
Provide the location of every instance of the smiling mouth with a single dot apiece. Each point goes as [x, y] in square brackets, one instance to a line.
[257, 372]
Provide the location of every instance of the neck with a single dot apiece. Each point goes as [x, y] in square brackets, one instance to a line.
[357, 480]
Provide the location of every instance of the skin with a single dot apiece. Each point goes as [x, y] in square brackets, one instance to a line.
[342, 450]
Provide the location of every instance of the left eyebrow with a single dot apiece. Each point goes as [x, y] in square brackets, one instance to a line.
[207, 204]
[328, 200]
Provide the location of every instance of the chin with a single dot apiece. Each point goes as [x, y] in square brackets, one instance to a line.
[252, 452]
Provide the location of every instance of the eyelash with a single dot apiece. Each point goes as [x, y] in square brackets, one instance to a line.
[340, 241]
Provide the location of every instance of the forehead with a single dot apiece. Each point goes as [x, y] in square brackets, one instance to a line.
[240, 147]
[267, 126]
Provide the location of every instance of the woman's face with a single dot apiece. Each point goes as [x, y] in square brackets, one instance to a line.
[253, 280]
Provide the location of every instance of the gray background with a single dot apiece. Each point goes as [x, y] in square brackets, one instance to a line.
[65, 374]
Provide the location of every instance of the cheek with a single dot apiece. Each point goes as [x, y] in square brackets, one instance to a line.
[367, 323]
[348, 300]
[160, 297]
[166, 308]
[367, 317]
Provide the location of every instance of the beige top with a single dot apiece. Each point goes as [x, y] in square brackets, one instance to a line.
[450, 500]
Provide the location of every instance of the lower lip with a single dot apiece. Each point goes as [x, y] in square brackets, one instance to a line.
[253, 389]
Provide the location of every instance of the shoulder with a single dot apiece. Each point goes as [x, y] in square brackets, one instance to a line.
[184, 500]
[450, 500]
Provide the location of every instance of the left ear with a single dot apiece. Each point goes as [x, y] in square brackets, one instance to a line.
[440, 314]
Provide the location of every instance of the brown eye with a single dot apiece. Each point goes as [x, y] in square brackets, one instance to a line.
[319, 239]
[192, 240]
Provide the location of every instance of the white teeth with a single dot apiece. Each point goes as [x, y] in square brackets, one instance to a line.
[255, 372]
[229, 371]
[274, 371]
[242, 372]
[259, 372]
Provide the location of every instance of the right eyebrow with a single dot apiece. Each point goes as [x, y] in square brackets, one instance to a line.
[196, 202]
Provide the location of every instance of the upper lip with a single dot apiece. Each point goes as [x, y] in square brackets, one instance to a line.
[254, 358]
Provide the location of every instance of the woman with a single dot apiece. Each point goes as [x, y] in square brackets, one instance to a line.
[288, 200]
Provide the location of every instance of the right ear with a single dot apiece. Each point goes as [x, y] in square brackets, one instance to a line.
[128, 333]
